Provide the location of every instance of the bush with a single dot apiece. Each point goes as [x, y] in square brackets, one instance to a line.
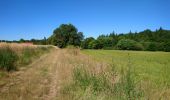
[93, 44]
[8, 59]
[152, 47]
[127, 44]
[86, 42]
[167, 47]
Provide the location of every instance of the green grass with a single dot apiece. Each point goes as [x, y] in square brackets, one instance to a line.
[148, 71]
[11, 60]
[146, 64]
[29, 54]
[89, 86]
[8, 59]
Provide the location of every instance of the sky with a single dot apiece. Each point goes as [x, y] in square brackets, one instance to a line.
[38, 18]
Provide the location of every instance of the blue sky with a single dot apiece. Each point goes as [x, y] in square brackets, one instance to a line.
[38, 18]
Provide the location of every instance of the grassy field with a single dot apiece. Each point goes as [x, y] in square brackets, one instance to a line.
[74, 74]
[149, 70]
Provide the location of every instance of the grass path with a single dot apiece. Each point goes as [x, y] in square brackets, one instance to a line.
[45, 78]
[37, 81]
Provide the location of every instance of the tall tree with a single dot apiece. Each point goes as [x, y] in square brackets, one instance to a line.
[66, 34]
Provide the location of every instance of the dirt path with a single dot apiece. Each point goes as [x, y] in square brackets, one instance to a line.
[45, 77]
[38, 81]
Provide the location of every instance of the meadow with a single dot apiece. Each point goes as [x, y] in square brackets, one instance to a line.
[39, 72]
[146, 64]
[118, 75]
[147, 70]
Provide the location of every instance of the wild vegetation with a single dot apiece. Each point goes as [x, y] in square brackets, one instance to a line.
[141, 75]
[15, 55]
[73, 73]
[67, 34]
[8, 59]
[147, 40]
[118, 75]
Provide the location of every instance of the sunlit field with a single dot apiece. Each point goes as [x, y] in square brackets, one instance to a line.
[38, 72]
[84, 50]
[150, 70]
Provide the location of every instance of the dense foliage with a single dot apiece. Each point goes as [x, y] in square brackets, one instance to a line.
[127, 44]
[158, 40]
[65, 35]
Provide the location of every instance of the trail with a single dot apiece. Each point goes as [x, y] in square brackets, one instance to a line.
[37, 81]
[44, 78]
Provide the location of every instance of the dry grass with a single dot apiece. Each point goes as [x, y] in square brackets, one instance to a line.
[67, 74]
[98, 71]
[31, 78]
[17, 47]
[26, 52]
[84, 77]
[149, 70]
[31, 83]
[47, 77]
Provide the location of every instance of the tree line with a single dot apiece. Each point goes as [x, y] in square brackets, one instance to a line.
[68, 34]
[148, 40]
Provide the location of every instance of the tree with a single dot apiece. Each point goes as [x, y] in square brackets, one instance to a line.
[44, 41]
[152, 46]
[85, 43]
[167, 47]
[93, 44]
[127, 44]
[21, 40]
[66, 34]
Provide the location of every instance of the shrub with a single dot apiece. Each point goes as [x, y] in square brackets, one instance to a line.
[152, 47]
[86, 42]
[127, 44]
[8, 59]
[167, 47]
[93, 44]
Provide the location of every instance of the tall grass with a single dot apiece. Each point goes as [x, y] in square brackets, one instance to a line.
[29, 54]
[126, 88]
[15, 55]
[8, 59]
[73, 50]
[107, 84]
[148, 72]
